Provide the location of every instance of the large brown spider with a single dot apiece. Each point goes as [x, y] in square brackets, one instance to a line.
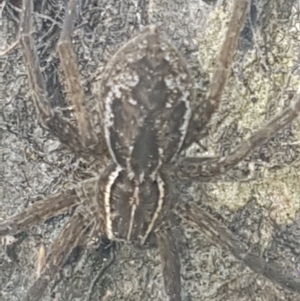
[147, 95]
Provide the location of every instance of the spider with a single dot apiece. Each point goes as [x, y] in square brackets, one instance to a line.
[146, 110]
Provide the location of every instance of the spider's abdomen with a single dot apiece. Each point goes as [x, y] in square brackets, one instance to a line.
[146, 94]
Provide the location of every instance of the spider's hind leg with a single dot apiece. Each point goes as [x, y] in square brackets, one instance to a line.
[204, 109]
[72, 78]
[82, 141]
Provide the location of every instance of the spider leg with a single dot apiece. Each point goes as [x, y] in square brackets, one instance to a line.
[52, 206]
[170, 262]
[76, 140]
[69, 65]
[39, 211]
[207, 168]
[66, 241]
[220, 235]
[206, 108]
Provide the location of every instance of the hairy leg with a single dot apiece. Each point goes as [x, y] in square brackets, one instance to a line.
[82, 194]
[207, 168]
[69, 66]
[221, 236]
[206, 108]
[81, 140]
[39, 211]
[63, 245]
[170, 262]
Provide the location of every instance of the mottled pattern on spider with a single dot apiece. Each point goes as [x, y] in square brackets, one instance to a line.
[146, 95]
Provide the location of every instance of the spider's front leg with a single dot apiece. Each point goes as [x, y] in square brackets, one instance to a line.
[221, 236]
[170, 261]
[85, 217]
[82, 140]
[63, 245]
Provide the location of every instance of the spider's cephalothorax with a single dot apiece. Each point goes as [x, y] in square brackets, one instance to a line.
[146, 94]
